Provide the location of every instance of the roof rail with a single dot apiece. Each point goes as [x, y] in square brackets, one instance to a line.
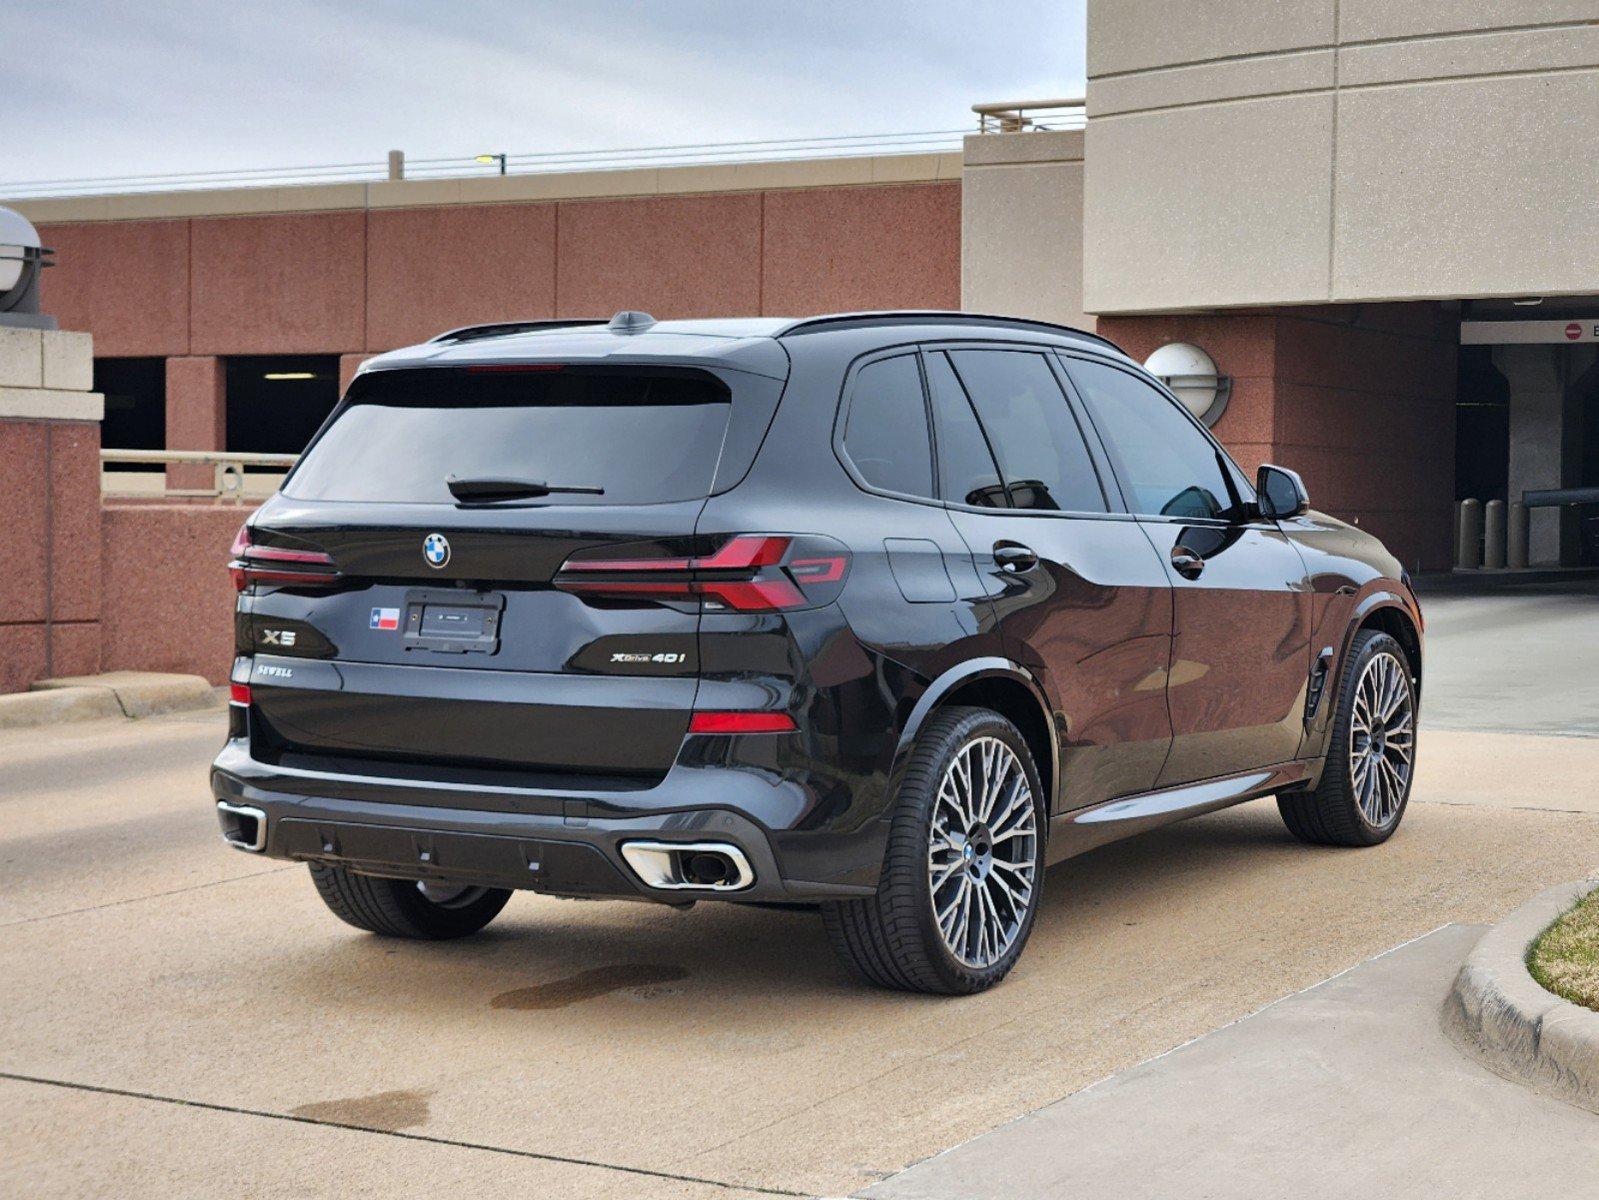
[934, 316]
[471, 333]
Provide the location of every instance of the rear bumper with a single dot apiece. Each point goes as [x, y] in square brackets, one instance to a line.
[561, 844]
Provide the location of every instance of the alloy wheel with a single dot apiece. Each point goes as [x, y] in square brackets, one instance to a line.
[982, 853]
[1382, 739]
[449, 895]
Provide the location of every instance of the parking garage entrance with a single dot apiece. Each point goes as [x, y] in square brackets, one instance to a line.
[275, 403]
[1527, 421]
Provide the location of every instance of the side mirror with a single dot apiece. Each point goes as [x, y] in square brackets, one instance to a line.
[1280, 492]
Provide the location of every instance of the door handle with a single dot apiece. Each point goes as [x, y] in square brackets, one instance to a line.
[1186, 563]
[1014, 557]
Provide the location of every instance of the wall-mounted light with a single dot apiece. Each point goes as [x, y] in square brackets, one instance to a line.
[280, 376]
[486, 159]
[1191, 375]
[22, 258]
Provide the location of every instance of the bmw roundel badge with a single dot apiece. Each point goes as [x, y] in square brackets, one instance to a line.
[436, 549]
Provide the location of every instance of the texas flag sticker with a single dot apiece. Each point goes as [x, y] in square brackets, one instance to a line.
[385, 618]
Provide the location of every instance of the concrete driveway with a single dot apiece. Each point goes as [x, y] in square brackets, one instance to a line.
[184, 1020]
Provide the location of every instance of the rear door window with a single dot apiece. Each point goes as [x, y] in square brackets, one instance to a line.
[644, 437]
[885, 431]
[1040, 448]
[967, 473]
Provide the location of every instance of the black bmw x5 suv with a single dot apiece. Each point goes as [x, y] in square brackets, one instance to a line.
[882, 613]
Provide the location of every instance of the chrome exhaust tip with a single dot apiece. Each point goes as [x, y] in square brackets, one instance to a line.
[689, 866]
[243, 827]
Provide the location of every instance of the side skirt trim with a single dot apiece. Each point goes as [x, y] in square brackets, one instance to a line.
[1073, 833]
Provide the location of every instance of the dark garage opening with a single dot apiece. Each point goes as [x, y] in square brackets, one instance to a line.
[276, 403]
[1482, 427]
[135, 391]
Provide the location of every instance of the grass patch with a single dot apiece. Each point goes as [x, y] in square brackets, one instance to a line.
[1565, 960]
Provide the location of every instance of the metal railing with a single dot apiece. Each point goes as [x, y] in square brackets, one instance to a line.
[231, 474]
[925, 141]
[1030, 116]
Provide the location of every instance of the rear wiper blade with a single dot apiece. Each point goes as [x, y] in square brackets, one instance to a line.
[511, 489]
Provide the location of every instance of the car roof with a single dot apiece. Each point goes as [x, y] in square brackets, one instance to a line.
[741, 343]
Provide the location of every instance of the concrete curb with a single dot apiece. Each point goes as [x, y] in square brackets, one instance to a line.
[114, 694]
[25, 710]
[1499, 1014]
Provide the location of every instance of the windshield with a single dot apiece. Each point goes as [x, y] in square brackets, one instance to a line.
[626, 437]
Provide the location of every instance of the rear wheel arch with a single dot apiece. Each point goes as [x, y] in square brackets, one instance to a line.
[1002, 687]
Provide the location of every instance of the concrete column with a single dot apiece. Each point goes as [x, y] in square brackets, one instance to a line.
[50, 501]
[197, 415]
[1540, 427]
[1022, 226]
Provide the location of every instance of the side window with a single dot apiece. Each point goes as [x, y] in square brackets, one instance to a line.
[1168, 467]
[1030, 425]
[885, 434]
[966, 470]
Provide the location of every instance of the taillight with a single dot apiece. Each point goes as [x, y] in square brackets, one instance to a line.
[749, 572]
[239, 693]
[251, 563]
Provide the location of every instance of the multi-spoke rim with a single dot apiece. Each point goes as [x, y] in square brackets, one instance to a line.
[982, 855]
[1382, 739]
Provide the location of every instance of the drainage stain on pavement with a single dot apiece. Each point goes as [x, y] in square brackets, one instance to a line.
[389, 1111]
[586, 985]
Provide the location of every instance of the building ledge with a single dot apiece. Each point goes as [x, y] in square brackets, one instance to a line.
[842, 171]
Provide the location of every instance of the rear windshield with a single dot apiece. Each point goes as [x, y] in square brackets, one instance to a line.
[645, 437]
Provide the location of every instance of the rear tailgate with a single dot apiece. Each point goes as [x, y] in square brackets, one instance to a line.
[439, 635]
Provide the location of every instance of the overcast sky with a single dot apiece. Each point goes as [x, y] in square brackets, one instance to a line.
[122, 87]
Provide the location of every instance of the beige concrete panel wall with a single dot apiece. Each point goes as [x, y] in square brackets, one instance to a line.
[1134, 35]
[1365, 20]
[1203, 83]
[1553, 48]
[1022, 226]
[1187, 206]
[1508, 210]
[1456, 163]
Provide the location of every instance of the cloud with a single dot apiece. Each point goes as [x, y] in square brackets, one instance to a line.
[210, 84]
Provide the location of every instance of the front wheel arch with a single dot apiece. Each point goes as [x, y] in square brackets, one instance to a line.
[1392, 619]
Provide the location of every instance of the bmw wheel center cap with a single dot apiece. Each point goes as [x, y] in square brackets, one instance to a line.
[436, 549]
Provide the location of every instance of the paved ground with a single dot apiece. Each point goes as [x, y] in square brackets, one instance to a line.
[1349, 1089]
[1514, 658]
[183, 1020]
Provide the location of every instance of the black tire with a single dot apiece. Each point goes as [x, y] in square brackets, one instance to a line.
[1332, 814]
[892, 939]
[398, 908]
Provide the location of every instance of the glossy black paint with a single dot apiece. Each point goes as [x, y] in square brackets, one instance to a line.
[1159, 667]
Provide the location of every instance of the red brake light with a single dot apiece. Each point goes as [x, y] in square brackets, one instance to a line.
[750, 572]
[746, 551]
[741, 722]
[241, 543]
[272, 564]
[239, 693]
